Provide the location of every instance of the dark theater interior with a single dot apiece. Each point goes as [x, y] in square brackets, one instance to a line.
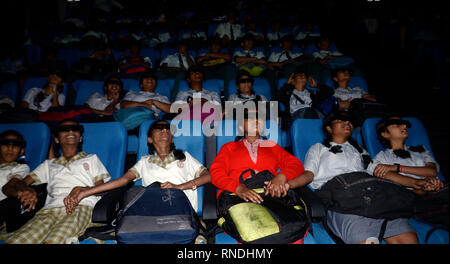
[395, 52]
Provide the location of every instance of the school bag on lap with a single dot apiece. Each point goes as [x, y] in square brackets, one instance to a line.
[151, 215]
[274, 221]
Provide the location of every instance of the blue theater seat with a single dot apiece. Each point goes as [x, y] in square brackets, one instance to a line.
[109, 141]
[37, 135]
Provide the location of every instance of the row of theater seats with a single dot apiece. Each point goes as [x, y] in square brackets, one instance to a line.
[111, 148]
[72, 55]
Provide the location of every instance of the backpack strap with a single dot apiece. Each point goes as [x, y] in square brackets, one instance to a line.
[382, 230]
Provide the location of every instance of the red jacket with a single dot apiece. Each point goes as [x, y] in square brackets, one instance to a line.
[233, 158]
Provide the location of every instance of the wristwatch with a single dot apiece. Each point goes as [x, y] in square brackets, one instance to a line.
[398, 167]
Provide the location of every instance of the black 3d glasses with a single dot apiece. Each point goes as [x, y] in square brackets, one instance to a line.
[245, 80]
[161, 126]
[397, 122]
[67, 128]
[114, 82]
[14, 142]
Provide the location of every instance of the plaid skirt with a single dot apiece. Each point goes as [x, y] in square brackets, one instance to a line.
[53, 226]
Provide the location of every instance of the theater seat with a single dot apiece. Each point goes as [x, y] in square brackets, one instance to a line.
[109, 141]
[85, 88]
[37, 135]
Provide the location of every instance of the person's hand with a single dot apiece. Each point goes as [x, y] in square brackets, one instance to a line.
[277, 186]
[167, 185]
[382, 169]
[247, 194]
[73, 199]
[149, 104]
[312, 82]
[291, 79]
[28, 198]
[432, 184]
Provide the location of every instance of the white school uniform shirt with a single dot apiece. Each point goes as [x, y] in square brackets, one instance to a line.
[282, 56]
[45, 104]
[151, 169]
[236, 99]
[349, 93]
[417, 160]
[224, 29]
[173, 61]
[142, 96]
[325, 165]
[295, 105]
[100, 102]
[12, 170]
[302, 35]
[194, 35]
[62, 176]
[324, 53]
[250, 53]
[274, 35]
[209, 95]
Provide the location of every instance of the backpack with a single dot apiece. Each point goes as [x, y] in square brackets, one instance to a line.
[151, 215]
[274, 221]
[360, 193]
[134, 116]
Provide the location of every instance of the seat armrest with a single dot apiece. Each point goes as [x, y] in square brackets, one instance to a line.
[316, 207]
[209, 202]
[106, 209]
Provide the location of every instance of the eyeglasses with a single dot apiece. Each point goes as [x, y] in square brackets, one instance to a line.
[67, 128]
[14, 142]
[245, 80]
[114, 82]
[398, 122]
[161, 126]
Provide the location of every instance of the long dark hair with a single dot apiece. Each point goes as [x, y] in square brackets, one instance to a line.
[179, 155]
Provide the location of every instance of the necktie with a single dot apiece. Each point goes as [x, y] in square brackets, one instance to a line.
[181, 62]
[231, 32]
[279, 36]
[288, 55]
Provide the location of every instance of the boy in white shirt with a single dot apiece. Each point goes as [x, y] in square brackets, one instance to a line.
[147, 96]
[54, 224]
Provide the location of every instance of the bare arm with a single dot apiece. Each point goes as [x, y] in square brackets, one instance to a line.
[21, 190]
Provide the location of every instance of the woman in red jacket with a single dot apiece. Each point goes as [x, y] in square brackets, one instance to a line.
[252, 152]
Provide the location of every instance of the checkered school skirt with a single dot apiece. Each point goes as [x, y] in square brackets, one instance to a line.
[53, 226]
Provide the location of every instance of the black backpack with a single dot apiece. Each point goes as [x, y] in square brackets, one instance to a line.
[360, 193]
[274, 221]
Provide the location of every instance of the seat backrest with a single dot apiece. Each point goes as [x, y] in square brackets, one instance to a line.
[194, 143]
[417, 136]
[307, 132]
[109, 141]
[355, 81]
[37, 136]
[227, 130]
[85, 88]
[260, 86]
[10, 89]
